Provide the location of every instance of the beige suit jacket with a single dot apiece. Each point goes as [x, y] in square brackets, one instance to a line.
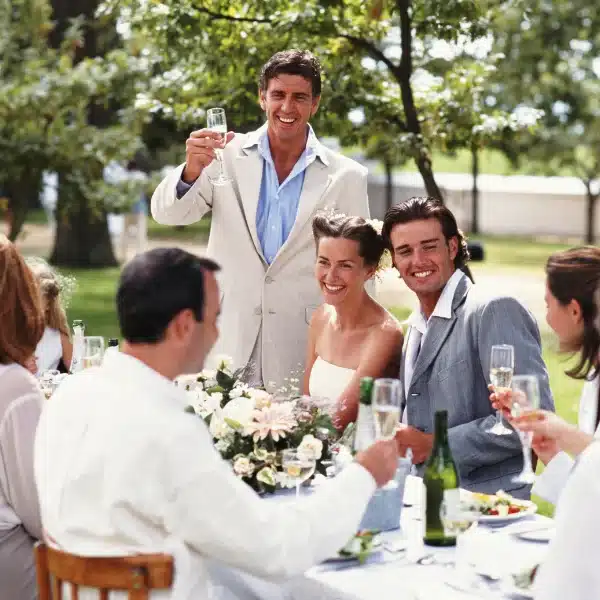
[281, 296]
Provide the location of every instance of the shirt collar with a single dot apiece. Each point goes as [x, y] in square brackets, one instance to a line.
[119, 364]
[260, 139]
[443, 307]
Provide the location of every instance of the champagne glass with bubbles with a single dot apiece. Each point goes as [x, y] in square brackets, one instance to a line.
[385, 403]
[217, 122]
[93, 351]
[502, 364]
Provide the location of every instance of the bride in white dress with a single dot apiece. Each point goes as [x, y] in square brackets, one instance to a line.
[351, 335]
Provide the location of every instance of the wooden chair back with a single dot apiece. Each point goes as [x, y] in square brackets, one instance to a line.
[136, 575]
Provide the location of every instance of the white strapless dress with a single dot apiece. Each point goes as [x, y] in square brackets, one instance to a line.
[328, 380]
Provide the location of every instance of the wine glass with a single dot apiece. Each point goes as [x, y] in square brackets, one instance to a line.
[526, 399]
[93, 351]
[298, 466]
[48, 382]
[502, 364]
[386, 407]
[217, 122]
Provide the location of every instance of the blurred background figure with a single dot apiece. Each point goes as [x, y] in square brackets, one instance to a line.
[55, 349]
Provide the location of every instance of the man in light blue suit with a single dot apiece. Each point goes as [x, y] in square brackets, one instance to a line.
[446, 355]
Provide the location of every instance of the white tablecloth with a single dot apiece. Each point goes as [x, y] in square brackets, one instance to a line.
[496, 551]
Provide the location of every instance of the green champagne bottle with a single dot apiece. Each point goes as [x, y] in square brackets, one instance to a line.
[365, 424]
[441, 482]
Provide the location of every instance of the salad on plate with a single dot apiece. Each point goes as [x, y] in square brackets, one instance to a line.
[500, 505]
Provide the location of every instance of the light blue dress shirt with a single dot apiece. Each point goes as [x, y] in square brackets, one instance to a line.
[278, 203]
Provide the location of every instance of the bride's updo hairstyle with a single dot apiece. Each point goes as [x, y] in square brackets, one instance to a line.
[357, 229]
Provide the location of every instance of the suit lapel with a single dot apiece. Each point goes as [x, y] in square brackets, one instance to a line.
[248, 166]
[317, 179]
[437, 332]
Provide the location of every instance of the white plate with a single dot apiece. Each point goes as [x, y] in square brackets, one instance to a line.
[530, 509]
[539, 535]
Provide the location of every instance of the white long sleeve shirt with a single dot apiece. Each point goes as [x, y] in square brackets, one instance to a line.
[550, 483]
[570, 569]
[121, 468]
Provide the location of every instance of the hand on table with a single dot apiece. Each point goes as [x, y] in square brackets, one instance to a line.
[419, 442]
[200, 152]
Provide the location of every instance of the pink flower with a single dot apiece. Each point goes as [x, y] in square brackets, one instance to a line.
[276, 420]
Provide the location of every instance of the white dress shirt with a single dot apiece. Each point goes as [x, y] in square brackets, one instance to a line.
[121, 469]
[419, 325]
[570, 569]
[550, 483]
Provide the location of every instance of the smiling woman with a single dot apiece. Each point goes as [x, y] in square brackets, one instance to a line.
[351, 336]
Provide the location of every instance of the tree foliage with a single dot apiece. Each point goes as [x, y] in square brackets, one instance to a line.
[379, 60]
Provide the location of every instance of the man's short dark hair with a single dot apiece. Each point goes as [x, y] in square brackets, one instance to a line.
[157, 285]
[422, 208]
[292, 62]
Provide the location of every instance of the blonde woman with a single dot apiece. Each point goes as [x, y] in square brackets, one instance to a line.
[55, 349]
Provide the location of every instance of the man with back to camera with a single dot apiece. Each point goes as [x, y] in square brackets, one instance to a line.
[121, 468]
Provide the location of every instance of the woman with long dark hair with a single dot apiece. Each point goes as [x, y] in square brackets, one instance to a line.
[572, 277]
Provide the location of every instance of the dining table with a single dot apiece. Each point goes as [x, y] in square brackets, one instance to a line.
[483, 564]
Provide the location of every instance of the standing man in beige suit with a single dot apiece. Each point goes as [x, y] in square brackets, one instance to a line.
[281, 176]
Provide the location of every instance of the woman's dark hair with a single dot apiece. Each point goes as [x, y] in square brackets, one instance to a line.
[370, 243]
[157, 285]
[574, 274]
[292, 62]
[420, 208]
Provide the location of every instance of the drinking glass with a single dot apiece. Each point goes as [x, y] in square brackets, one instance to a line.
[502, 364]
[526, 399]
[217, 122]
[297, 466]
[93, 351]
[48, 382]
[386, 407]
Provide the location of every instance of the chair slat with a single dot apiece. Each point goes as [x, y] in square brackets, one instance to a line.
[135, 574]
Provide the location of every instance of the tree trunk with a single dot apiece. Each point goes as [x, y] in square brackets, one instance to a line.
[22, 195]
[590, 213]
[82, 237]
[475, 189]
[403, 74]
[389, 184]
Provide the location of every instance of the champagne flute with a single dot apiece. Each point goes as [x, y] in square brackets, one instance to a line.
[526, 399]
[93, 350]
[297, 466]
[386, 407]
[502, 364]
[217, 122]
[385, 402]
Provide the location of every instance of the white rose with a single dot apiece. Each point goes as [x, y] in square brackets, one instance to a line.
[267, 475]
[261, 398]
[208, 374]
[243, 467]
[239, 410]
[311, 447]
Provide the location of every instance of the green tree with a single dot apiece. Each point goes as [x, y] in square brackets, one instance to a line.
[552, 62]
[378, 60]
[48, 93]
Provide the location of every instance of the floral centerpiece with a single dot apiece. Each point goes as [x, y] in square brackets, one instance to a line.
[250, 427]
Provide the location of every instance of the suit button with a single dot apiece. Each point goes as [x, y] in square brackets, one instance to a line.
[268, 279]
[258, 310]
